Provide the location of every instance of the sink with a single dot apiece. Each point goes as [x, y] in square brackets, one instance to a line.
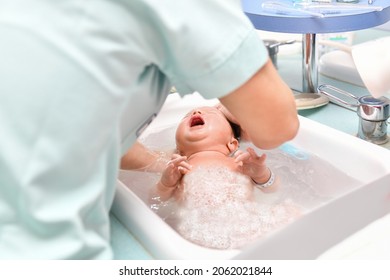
[350, 208]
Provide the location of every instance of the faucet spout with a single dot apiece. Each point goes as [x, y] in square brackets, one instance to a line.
[373, 113]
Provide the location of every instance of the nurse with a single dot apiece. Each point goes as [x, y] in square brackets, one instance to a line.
[80, 80]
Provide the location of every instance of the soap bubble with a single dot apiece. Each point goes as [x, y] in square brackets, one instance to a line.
[219, 208]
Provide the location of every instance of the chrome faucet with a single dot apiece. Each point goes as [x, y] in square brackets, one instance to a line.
[373, 113]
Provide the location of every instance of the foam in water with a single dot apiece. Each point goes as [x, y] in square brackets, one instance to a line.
[220, 210]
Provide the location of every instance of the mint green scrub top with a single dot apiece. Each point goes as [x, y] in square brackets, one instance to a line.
[79, 80]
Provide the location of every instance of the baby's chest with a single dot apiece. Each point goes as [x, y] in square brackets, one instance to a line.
[214, 163]
[208, 185]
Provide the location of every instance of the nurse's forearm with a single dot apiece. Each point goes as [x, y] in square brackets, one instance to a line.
[140, 157]
[265, 107]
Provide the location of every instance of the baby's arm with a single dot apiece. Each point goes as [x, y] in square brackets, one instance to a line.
[255, 167]
[171, 176]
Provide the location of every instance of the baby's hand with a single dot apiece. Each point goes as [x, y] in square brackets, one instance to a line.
[176, 168]
[252, 165]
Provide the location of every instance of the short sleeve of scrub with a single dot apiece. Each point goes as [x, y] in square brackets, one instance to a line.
[206, 46]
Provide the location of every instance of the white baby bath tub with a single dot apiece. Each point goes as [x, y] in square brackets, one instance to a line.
[307, 237]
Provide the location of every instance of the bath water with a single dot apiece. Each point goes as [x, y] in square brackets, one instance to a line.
[219, 215]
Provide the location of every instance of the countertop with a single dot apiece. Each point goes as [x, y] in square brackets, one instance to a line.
[126, 246]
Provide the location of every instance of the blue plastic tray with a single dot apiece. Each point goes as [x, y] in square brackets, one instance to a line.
[298, 23]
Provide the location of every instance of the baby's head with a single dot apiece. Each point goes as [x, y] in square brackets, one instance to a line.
[206, 128]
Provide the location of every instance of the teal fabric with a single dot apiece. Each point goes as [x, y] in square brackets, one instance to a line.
[79, 80]
[128, 244]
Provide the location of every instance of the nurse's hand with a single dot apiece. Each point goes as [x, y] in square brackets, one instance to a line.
[265, 107]
[244, 135]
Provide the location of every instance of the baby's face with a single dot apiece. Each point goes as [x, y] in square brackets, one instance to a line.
[203, 127]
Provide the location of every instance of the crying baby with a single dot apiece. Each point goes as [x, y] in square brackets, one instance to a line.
[213, 183]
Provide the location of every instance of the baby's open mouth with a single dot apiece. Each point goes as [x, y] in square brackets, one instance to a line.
[196, 120]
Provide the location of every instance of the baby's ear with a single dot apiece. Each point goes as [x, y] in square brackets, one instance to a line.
[233, 145]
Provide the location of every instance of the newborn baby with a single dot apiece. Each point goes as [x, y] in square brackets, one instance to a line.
[213, 182]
